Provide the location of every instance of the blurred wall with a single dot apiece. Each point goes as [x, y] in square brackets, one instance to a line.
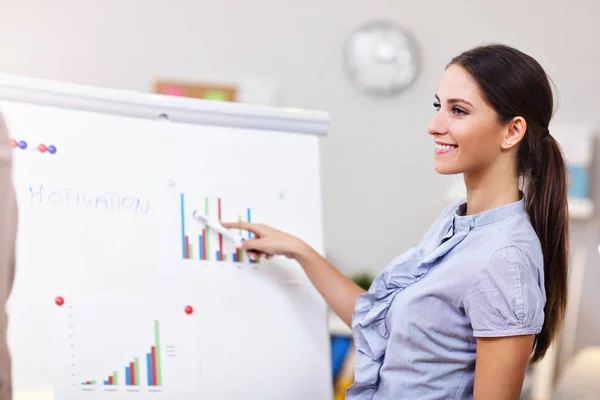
[377, 160]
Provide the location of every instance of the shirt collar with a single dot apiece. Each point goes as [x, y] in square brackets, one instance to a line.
[487, 216]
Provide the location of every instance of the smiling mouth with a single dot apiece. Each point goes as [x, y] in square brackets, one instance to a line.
[444, 148]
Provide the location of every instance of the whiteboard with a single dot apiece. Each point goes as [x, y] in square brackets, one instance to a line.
[119, 293]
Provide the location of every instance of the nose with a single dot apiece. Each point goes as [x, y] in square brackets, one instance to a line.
[437, 126]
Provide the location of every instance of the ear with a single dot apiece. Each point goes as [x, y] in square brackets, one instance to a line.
[515, 131]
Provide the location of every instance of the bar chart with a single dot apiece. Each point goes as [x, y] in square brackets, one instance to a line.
[198, 242]
[117, 346]
[133, 369]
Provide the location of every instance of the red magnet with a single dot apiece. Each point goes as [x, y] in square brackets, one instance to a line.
[42, 148]
[14, 143]
[59, 301]
[189, 309]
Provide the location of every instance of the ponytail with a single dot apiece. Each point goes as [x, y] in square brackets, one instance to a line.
[546, 202]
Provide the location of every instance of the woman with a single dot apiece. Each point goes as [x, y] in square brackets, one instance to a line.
[459, 315]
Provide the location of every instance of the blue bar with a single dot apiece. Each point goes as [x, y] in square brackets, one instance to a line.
[201, 251]
[234, 257]
[149, 363]
[218, 255]
[127, 376]
[105, 383]
[249, 220]
[182, 229]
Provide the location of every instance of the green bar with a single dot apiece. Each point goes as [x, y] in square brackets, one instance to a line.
[207, 255]
[241, 252]
[224, 257]
[115, 378]
[157, 351]
[206, 205]
[191, 251]
[137, 371]
[93, 382]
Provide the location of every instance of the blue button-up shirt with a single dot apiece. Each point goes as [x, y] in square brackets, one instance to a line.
[470, 276]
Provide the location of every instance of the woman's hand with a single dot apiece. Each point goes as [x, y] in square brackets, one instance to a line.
[268, 241]
[339, 291]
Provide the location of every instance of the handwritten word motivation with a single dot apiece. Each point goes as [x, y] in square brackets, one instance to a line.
[109, 201]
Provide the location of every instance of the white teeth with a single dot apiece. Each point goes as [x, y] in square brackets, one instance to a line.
[444, 146]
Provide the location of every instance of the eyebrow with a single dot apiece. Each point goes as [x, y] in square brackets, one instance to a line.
[455, 100]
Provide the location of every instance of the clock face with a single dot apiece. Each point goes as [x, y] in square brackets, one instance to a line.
[381, 59]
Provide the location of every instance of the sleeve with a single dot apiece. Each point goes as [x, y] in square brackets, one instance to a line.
[508, 296]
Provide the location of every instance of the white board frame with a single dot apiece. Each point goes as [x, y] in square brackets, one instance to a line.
[157, 106]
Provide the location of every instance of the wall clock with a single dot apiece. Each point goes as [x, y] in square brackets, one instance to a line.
[381, 59]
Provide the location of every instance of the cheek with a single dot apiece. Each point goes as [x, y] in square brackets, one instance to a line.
[476, 143]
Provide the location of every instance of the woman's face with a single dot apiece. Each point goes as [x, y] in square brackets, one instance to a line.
[465, 128]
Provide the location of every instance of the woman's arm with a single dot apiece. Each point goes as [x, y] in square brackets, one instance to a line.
[500, 366]
[505, 306]
[338, 291]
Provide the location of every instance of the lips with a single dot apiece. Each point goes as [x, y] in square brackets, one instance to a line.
[444, 148]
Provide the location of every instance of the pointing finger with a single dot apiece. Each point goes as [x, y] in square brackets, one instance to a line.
[248, 226]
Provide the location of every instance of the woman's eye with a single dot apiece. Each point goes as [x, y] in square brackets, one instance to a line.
[459, 111]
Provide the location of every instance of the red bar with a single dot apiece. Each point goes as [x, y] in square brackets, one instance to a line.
[88, 383]
[204, 255]
[187, 248]
[110, 380]
[153, 366]
[220, 236]
[132, 373]
[237, 255]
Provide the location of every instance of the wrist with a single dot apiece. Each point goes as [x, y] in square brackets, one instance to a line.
[300, 250]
